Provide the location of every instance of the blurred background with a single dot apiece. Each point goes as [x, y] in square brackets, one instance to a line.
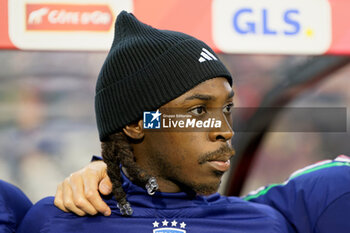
[48, 129]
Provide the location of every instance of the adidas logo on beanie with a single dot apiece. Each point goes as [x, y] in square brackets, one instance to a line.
[146, 68]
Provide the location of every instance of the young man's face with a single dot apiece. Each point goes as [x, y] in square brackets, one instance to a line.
[195, 159]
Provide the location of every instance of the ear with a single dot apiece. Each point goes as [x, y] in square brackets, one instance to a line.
[134, 130]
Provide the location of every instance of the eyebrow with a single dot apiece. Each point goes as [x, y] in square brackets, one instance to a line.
[207, 97]
[230, 95]
[200, 97]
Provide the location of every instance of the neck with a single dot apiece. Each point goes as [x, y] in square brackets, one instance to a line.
[164, 185]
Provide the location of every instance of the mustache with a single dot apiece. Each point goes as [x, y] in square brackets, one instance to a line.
[224, 153]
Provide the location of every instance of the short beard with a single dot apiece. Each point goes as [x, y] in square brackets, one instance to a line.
[185, 184]
[205, 189]
[158, 162]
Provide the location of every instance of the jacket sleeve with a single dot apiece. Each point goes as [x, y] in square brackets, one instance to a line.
[38, 217]
[313, 198]
[14, 204]
[335, 218]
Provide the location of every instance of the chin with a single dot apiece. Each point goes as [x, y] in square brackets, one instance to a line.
[206, 189]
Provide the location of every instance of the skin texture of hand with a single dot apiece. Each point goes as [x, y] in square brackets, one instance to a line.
[79, 193]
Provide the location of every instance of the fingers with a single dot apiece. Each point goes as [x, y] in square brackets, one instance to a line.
[91, 184]
[79, 193]
[79, 196]
[68, 199]
[105, 186]
[59, 198]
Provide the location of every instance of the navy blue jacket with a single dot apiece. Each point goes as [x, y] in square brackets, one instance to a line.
[315, 199]
[163, 212]
[13, 206]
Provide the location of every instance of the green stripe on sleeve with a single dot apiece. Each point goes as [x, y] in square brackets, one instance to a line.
[265, 190]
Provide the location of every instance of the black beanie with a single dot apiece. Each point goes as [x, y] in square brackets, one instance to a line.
[146, 68]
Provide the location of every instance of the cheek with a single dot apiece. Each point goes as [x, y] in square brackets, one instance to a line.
[190, 142]
[188, 147]
[181, 149]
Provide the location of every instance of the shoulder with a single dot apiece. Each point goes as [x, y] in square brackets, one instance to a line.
[14, 204]
[335, 218]
[331, 176]
[39, 215]
[44, 216]
[10, 192]
[247, 215]
[328, 173]
[310, 193]
[236, 205]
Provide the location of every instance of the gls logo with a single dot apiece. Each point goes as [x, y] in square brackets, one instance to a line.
[243, 25]
[272, 26]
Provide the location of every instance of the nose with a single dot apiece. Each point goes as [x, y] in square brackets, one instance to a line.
[224, 133]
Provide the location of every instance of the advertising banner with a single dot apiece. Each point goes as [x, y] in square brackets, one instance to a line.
[241, 26]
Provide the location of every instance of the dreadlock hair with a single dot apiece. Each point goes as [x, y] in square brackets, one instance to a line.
[117, 151]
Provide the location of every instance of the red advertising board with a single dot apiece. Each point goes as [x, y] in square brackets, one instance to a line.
[5, 42]
[340, 27]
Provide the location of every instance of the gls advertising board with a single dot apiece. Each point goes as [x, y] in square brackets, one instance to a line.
[270, 26]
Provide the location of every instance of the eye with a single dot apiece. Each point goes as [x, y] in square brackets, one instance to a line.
[198, 111]
[228, 108]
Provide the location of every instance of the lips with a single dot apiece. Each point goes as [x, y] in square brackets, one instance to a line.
[220, 165]
[219, 160]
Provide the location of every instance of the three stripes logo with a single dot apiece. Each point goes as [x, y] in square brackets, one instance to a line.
[206, 56]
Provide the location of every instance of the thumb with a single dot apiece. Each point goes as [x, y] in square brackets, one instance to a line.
[105, 186]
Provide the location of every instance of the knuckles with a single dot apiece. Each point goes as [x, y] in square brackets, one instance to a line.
[90, 194]
[79, 202]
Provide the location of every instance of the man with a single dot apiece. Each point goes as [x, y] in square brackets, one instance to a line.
[13, 206]
[161, 178]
